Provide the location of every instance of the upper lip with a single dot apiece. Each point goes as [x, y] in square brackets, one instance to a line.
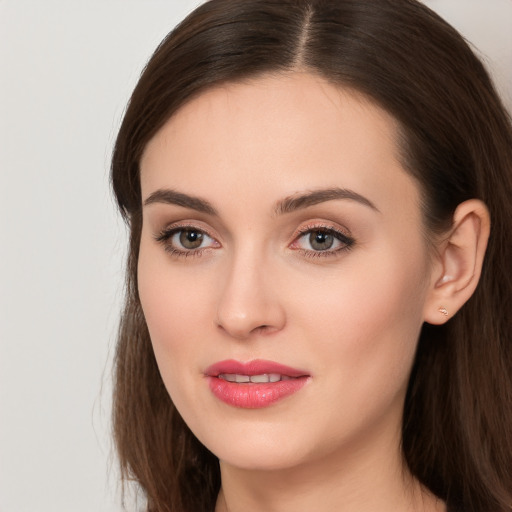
[254, 367]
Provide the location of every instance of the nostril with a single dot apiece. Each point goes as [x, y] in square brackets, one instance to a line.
[265, 329]
[241, 333]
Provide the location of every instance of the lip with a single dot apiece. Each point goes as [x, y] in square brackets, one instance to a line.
[254, 395]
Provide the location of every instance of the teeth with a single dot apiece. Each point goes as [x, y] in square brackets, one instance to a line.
[260, 378]
[256, 379]
[230, 377]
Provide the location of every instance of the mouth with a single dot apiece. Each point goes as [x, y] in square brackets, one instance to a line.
[255, 384]
[254, 379]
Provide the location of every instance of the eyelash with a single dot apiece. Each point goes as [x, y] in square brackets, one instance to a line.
[346, 241]
[166, 235]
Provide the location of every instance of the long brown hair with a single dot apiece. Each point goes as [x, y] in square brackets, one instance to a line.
[456, 140]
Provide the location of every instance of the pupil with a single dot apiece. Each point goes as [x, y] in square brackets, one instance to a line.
[191, 239]
[320, 240]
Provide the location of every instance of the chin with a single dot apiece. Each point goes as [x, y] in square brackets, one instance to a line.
[260, 458]
[258, 447]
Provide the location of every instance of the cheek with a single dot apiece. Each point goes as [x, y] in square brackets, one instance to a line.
[366, 327]
[172, 303]
[171, 295]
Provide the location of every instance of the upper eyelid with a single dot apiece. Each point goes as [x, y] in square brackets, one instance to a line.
[319, 228]
[319, 225]
[342, 236]
[180, 226]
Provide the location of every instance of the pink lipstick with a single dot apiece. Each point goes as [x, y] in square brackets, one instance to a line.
[255, 384]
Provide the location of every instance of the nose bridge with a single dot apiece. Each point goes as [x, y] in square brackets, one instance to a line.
[249, 301]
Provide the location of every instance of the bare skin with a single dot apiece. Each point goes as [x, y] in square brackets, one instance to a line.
[232, 266]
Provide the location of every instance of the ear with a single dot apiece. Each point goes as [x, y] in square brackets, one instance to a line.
[458, 262]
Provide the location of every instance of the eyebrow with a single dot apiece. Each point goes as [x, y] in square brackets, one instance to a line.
[298, 202]
[286, 205]
[168, 196]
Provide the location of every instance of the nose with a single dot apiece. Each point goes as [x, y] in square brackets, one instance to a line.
[249, 301]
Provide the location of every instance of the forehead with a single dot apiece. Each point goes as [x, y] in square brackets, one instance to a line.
[284, 133]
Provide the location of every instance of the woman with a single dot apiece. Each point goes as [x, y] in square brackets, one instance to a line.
[318, 311]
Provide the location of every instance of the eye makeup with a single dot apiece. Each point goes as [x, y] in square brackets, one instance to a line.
[314, 240]
[186, 240]
[324, 241]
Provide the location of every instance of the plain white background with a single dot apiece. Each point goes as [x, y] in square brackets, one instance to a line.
[66, 71]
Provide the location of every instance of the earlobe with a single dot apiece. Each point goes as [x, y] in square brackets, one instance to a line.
[461, 255]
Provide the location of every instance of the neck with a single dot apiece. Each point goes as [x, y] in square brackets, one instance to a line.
[361, 479]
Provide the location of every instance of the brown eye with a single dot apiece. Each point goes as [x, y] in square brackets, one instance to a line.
[321, 240]
[186, 241]
[191, 239]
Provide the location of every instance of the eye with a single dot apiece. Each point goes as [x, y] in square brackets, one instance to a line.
[186, 241]
[189, 238]
[322, 241]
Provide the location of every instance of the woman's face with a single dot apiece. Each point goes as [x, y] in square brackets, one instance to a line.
[279, 228]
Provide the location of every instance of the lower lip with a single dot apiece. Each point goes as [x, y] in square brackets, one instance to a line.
[254, 396]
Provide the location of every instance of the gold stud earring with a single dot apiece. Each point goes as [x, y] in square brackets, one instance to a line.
[443, 311]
